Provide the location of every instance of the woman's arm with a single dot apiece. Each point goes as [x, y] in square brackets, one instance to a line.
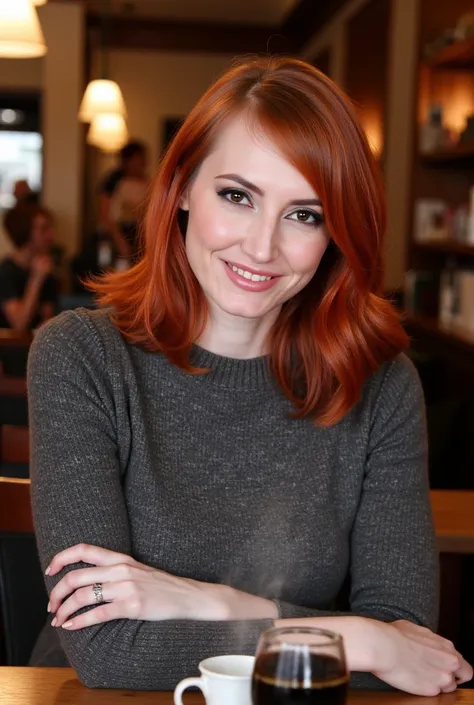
[20, 311]
[78, 497]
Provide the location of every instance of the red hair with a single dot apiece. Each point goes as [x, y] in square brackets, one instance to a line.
[339, 329]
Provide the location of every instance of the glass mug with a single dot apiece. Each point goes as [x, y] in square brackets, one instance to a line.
[225, 680]
[297, 665]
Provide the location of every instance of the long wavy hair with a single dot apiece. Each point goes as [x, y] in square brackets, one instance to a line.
[331, 336]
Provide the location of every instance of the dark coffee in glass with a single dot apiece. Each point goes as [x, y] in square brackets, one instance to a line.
[302, 665]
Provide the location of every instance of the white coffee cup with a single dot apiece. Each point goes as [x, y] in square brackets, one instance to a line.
[224, 679]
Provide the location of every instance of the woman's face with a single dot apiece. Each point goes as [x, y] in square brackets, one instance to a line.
[42, 234]
[256, 234]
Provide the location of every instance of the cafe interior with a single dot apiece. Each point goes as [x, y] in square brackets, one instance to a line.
[88, 86]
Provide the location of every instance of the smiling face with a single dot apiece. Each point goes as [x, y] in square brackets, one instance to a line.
[255, 234]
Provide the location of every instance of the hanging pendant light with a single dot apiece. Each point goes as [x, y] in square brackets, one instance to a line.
[101, 96]
[20, 32]
[108, 132]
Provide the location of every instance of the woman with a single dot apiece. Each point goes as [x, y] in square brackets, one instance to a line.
[122, 195]
[214, 452]
[28, 288]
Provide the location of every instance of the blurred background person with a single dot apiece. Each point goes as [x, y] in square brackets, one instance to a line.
[122, 193]
[28, 287]
[23, 193]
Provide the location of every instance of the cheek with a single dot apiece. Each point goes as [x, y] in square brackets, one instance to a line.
[211, 226]
[304, 256]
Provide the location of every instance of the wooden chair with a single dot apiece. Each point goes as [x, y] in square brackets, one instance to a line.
[23, 596]
[15, 444]
[15, 506]
[14, 451]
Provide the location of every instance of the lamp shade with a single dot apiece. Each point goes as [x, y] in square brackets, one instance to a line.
[101, 96]
[20, 32]
[108, 132]
[39, 2]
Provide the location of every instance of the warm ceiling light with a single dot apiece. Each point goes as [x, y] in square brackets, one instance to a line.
[108, 132]
[101, 96]
[20, 32]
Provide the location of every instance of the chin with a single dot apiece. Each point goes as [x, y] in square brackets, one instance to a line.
[242, 309]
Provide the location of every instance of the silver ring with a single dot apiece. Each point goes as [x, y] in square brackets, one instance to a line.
[97, 590]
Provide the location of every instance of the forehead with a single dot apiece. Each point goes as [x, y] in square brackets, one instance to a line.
[243, 148]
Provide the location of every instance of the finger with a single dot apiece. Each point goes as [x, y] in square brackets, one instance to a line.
[464, 673]
[84, 597]
[81, 577]
[447, 661]
[86, 553]
[449, 687]
[104, 613]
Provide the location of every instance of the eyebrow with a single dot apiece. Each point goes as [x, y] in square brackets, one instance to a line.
[251, 187]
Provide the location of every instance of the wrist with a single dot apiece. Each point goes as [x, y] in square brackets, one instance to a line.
[235, 605]
[361, 637]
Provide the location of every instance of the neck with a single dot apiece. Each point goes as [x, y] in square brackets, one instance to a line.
[234, 336]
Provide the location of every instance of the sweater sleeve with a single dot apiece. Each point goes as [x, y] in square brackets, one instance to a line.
[394, 561]
[77, 497]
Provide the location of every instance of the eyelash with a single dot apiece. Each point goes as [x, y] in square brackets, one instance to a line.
[316, 223]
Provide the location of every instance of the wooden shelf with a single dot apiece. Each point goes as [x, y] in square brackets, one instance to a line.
[455, 56]
[450, 332]
[457, 155]
[448, 247]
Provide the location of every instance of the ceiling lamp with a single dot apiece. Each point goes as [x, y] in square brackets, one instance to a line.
[101, 96]
[108, 132]
[20, 32]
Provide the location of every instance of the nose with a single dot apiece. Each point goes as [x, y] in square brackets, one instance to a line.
[260, 242]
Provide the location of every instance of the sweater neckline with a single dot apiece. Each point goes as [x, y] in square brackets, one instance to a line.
[233, 373]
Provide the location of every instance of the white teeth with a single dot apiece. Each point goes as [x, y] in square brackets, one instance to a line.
[249, 275]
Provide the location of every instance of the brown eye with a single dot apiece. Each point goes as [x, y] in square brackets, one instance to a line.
[303, 216]
[235, 196]
[307, 217]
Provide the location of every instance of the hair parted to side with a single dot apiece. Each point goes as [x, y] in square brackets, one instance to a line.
[339, 329]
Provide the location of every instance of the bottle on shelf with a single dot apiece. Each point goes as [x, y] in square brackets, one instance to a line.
[447, 292]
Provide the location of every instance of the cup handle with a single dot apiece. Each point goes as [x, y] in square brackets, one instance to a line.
[184, 685]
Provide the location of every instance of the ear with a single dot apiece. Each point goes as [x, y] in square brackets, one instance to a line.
[184, 200]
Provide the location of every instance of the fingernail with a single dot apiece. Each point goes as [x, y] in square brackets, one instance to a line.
[49, 607]
[67, 625]
[53, 623]
[48, 570]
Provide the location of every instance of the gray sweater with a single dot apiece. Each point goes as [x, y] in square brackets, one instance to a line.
[209, 477]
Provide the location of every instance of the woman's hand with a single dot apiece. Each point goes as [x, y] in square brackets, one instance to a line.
[404, 655]
[416, 660]
[132, 590]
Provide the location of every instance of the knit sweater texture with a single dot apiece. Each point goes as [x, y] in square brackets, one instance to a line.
[209, 477]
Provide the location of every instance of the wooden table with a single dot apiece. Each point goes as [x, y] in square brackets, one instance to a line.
[453, 513]
[59, 686]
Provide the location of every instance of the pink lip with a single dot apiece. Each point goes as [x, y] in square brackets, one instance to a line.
[248, 284]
